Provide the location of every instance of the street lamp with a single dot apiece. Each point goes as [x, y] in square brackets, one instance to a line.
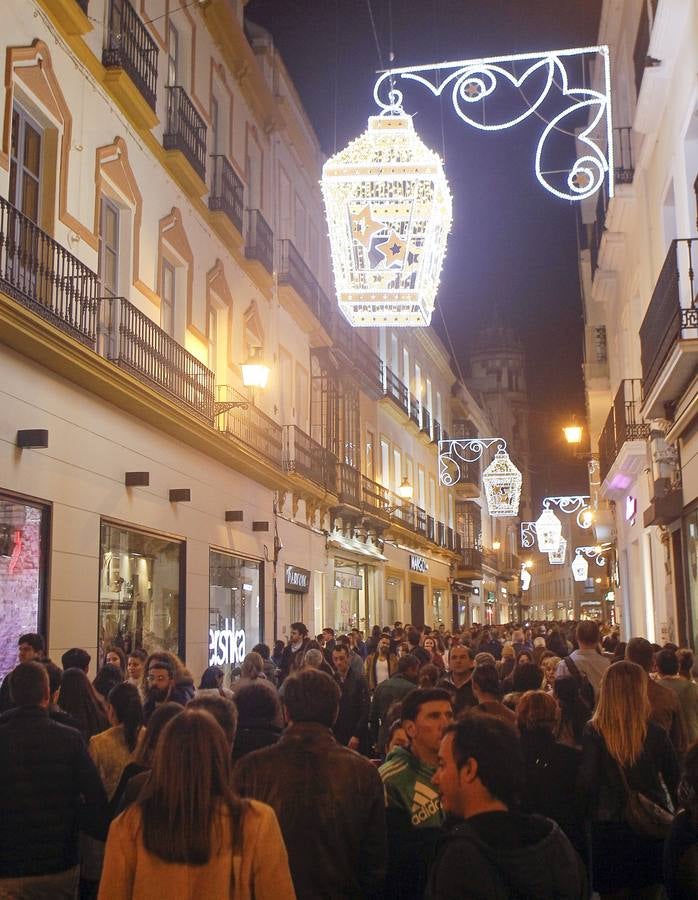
[573, 433]
[580, 568]
[255, 371]
[405, 491]
[496, 545]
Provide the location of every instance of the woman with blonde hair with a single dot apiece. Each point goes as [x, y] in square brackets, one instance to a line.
[623, 751]
[189, 834]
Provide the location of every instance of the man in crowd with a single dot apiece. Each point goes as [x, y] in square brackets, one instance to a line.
[667, 663]
[413, 810]
[386, 694]
[162, 685]
[294, 651]
[494, 853]
[381, 664]
[30, 646]
[76, 658]
[587, 661]
[328, 645]
[461, 661]
[414, 642]
[665, 709]
[351, 726]
[328, 800]
[486, 689]
[50, 789]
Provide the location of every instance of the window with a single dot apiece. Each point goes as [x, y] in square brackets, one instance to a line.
[212, 338]
[109, 246]
[285, 385]
[141, 591]
[370, 455]
[385, 463]
[397, 468]
[420, 483]
[173, 55]
[406, 366]
[25, 164]
[300, 232]
[24, 531]
[167, 299]
[302, 397]
[236, 608]
[215, 126]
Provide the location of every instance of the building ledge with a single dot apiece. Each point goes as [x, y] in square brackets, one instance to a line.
[674, 377]
[184, 173]
[68, 15]
[632, 458]
[127, 95]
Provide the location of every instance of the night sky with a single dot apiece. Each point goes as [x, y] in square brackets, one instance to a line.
[513, 246]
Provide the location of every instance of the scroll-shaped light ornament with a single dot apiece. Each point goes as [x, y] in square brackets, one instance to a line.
[580, 568]
[548, 531]
[502, 482]
[557, 557]
[388, 209]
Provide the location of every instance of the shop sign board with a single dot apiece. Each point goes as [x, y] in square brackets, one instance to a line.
[418, 563]
[226, 645]
[297, 580]
[347, 580]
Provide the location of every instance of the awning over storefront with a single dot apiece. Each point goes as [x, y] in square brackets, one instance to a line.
[352, 545]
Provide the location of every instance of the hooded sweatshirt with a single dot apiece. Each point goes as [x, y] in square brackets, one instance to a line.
[408, 788]
[507, 856]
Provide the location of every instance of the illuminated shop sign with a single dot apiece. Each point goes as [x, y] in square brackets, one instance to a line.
[297, 580]
[346, 580]
[226, 645]
[418, 563]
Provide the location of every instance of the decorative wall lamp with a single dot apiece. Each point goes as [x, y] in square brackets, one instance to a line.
[405, 492]
[580, 568]
[557, 557]
[580, 564]
[502, 480]
[255, 374]
[548, 531]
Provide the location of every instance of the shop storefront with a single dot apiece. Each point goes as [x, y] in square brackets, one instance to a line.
[350, 595]
[296, 586]
[24, 532]
[394, 598]
[141, 591]
[356, 585]
[236, 608]
[690, 536]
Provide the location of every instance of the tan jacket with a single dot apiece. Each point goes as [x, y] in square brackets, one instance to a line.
[260, 871]
[666, 711]
[111, 756]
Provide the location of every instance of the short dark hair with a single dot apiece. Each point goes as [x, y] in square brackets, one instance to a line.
[412, 637]
[495, 747]
[299, 626]
[588, 632]
[29, 684]
[223, 711]
[138, 654]
[257, 700]
[486, 680]
[415, 700]
[327, 628]
[263, 650]
[667, 662]
[311, 696]
[35, 641]
[160, 662]
[639, 650]
[340, 647]
[107, 678]
[76, 658]
[526, 678]
[407, 663]
[55, 675]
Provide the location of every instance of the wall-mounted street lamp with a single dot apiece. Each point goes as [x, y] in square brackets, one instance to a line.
[255, 374]
[405, 491]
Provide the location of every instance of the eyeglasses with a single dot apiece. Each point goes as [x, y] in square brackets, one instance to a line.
[162, 679]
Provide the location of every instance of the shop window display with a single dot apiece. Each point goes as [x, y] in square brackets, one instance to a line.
[235, 608]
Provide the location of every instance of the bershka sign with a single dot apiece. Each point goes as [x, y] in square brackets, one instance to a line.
[297, 580]
[418, 563]
[226, 645]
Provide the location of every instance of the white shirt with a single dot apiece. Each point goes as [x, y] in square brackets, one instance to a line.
[382, 671]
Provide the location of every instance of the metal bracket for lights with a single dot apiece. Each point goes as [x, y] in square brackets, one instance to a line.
[223, 406]
[502, 480]
[595, 553]
[578, 504]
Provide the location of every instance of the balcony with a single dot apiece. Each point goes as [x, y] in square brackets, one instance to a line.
[624, 167]
[227, 192]
[308, 458]
[469, 564]
[135, 343]
[299, 291]
[130, 50]
[415, 417]
[40, 274]
[260, 241]
[426, 424]
[396, 392]
[185, 133]
[436, 432]
[251, 426]
[375, 501]
[356, 355]
[669, 333]
[622, 444]
[348, 488]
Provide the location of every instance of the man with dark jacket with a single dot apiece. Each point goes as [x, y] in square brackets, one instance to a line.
[294, 651]
[461, 661]
[50, 790]
[387, 693]
[163, 685]
[380, 664]
[328, 800]
[665, 709]
[30, 646]
[495, 852]
[351, 727]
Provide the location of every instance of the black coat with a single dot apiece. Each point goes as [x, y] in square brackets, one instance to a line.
[352, 720]
[50, 789]
[254, 735]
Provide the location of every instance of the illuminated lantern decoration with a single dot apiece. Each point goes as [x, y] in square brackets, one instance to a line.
[580, 568]
[557, 557]
[525, 579]
[388, 209]
[502, 482]
[548, 531]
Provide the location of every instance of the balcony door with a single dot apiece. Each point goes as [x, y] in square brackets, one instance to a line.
[22, 255]
[109, 247]
[173, 55]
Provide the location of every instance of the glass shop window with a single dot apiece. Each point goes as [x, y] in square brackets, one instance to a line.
[235, 608]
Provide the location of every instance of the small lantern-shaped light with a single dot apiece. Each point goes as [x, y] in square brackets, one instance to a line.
[502, 482]
[525, 579]
[580, 568]
[557, 557]
[548, 531]
[255, 371]
[388, 210]
[405, 491]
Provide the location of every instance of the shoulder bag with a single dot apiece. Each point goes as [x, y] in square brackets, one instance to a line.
[645, 817]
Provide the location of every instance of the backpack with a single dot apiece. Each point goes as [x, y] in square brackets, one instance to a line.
[586, 689]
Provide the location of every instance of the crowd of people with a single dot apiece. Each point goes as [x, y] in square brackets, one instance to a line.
[549, 761]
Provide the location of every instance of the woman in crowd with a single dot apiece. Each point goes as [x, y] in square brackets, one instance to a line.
[135, 670]
[79, 699]
[624, 752]
[212, 682]
[549, 666]
[115, 657]
[111, 750]
[259, 716]
[107, 678]
[190, 828]
[524, 658]
[686, 661]
[435, 658]
[681, 851]
[574, 712]
[506, 664]
[556, 643]
[252, 669]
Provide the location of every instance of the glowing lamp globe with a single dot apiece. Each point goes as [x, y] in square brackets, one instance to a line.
[502, 482]
[388, 209]
[548, 531]
[580, 568]
[525, 579]
[557, 557]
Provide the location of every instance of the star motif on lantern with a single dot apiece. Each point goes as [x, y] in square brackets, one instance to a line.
[393, 249]
[580, 180]
[412, 258]
[364, 226]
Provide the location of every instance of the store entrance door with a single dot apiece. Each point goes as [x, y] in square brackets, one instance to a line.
[417, 604]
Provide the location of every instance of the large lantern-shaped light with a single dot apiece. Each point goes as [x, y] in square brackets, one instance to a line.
[388, 210]
[557, 557]
[580, 568]
[502, 482]
[548, 531]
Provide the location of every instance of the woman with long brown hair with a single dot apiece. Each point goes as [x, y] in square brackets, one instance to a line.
[623, 751]
[189, 834]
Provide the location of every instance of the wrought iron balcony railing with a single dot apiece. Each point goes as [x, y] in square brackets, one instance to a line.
[305, 456]
[294, 271]
[436, 431]
[414, 411]
[471, 559]
[186, 130]
[135, 343]
[131, 48]
[624, 167]
[260, 240]
[396, 391]
[375, 498]
[248, 424]
[426, 421]
[227, 191]
[672, 310]
[348, 485]
[43, 276]
[623, 424]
